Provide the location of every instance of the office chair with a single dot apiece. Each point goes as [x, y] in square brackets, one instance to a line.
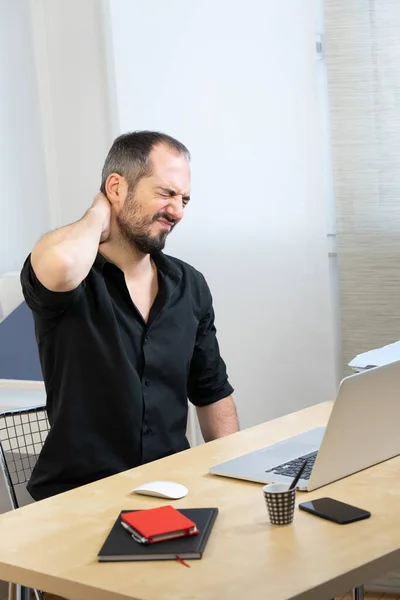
[22, 435]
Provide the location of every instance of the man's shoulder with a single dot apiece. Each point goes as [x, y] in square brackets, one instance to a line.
[185, 269]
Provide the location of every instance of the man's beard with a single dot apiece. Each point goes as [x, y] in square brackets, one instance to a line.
[136, 228]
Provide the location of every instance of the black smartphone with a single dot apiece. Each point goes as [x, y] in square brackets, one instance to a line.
[334, 510]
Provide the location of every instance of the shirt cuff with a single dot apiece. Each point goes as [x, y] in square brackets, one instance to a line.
[213, 397]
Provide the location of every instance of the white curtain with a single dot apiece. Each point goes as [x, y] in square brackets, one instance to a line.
[362, 49]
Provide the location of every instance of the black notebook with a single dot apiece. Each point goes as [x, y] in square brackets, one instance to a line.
[120, 545]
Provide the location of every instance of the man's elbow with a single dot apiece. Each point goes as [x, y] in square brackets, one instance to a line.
[218, 419]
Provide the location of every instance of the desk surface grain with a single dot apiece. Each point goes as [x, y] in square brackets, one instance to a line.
[53, 544]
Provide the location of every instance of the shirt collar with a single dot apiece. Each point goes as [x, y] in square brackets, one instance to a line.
[161, 260]
[100, 261]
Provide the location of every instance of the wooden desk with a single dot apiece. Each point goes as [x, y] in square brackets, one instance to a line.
[53, 544]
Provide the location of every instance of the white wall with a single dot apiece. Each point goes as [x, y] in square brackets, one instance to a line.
[23, 201]
[237, 83]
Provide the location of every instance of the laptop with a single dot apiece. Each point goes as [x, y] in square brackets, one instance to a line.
[363, 430]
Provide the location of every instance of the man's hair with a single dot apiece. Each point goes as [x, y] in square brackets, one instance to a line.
[129, 155]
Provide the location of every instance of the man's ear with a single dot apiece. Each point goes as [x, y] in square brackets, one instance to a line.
[116, 190]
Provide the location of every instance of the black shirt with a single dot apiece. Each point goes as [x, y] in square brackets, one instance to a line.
[118, 388]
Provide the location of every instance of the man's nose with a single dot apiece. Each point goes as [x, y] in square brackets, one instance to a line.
[175, 208]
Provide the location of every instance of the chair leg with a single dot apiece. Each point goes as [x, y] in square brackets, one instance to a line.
[17, 592]
[23, 593]
[12, 591]
[358, 593]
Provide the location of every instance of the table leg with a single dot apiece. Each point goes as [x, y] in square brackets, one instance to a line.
[358, 593]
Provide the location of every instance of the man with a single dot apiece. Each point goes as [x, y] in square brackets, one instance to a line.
[125, 333]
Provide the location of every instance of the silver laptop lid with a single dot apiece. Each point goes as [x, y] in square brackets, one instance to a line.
[363, 429]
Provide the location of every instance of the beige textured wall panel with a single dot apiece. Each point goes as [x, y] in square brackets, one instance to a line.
[363, 64]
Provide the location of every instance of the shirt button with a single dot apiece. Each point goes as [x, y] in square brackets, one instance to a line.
[148, 431]
[147, 382]
[146, 339]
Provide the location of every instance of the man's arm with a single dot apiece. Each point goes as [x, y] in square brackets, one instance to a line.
[62, 258]
[208, 386]
[218, 419]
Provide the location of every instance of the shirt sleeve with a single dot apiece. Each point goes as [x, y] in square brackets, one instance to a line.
[44, 303]
[208, 379]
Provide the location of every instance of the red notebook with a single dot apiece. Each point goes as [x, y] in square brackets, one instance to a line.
[158, 524]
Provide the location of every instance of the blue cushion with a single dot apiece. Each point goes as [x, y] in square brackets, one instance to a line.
[19, 358]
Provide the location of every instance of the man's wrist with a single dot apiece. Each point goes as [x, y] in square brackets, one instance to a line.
[96, 216]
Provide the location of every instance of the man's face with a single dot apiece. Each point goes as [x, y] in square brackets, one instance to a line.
[157, 203]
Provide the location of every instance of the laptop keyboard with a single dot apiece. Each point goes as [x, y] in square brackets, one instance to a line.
[291, 468]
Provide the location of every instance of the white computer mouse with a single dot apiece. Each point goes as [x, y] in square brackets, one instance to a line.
[162, 489]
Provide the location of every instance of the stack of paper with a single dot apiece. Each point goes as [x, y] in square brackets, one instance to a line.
[376, 358]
